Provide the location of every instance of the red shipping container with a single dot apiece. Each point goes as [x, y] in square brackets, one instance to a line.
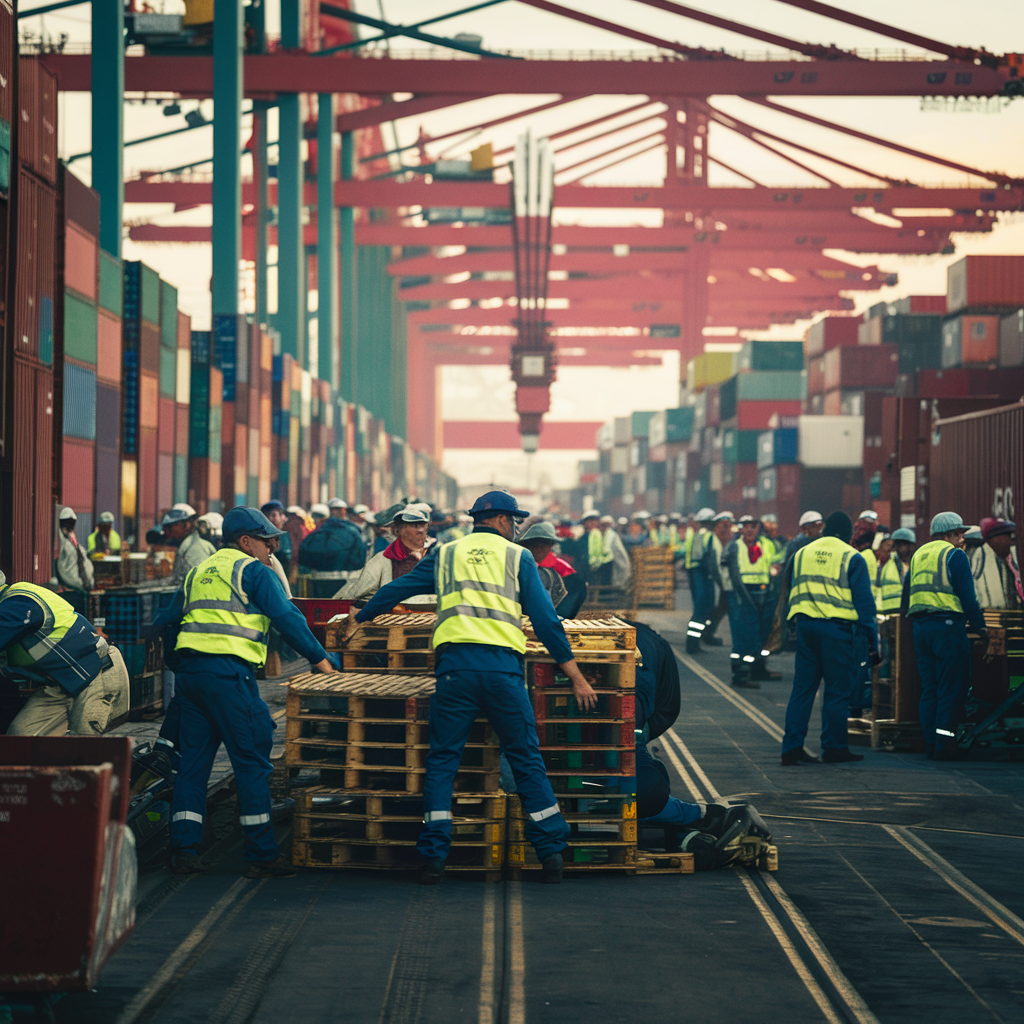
[833, 405]
[37, 130]
[8, 48]
[108, 347]
[44, 482]
[164, 482]
[713, 406]
[985, 282]
[81, 261]
[831, 332]
[149, 399]
[26, 298]
[166, 426]
[184, 330]
[147, 476]
[816, 375]
[979, 339]
[921, 304]
[861, 366]
[760, 415]
[79, 474]
[81, 205]
[181, 429]
[943, 383]
[149, 348]
[996, 382]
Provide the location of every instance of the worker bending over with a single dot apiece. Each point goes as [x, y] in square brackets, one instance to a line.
[484, 584]
[939, 598]
[221, 617]
[44, 640]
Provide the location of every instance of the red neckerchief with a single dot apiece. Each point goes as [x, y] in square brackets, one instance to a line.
[560, 565]
[753, 552]
[396, 551]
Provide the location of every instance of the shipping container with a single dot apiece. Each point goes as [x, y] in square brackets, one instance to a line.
[870, 331]
[111, 284]
[80, 328]
[671, 426]
[827, 490]
[35, 269]
[816, 375]
[766, 415]
[861, 367]
[79, 478]
[1011, 339]
[149, 295]
[8, 49]
[708, 368]
[37, 129]
[831, 332]
[918, 304]
[770, 355]
[970, 340]
[638, 424]
[108, 484]
[761, 386]
[81, 261]
[712, 405]
[779, 483]
[831, 441]
[739, 445]
[108, 416]
[778, 447]
[981, 283]
[79, 402]
[168, 315]
[847, 401]
[108, 347]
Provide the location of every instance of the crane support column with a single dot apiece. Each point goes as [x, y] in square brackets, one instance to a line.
[349, 320]
[291, 263]
[326, 251]
[261, 214]
[227, 164]
[108, 119]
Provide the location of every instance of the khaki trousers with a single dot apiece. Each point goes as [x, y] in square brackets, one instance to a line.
[53, 711]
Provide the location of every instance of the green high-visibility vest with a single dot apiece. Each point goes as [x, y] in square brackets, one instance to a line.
[930, 589]
[477, 582]
[889, 589]
[58, 618]
[695, 541]
[599, 551]
[90, 544]
[218, 618]
[821, 583]
[753, 574]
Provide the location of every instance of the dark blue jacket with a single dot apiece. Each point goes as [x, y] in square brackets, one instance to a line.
[336, 545]
[657, 682]
[73, 664]
[958, 565]
[535, 601]
[265, 594]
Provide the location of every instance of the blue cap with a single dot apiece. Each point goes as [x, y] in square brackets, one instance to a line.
[946, 521]
[242, 519]
[271, 506]
[904, 534]
[174, 515]
[496, 502]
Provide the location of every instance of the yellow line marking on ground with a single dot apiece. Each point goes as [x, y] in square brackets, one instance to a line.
[486, 1006]
[709, 786]
[517, 960]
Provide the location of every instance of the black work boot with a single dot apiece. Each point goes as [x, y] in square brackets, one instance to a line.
[797, 756]
[279, 868]
[432, 872]
[742, 680]
[711, 640]
[186, 862]
[839, 755]
[552, 874]
[760, 671]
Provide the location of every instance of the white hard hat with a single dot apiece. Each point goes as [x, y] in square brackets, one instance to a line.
[214, 520]
[868, 514]
[320, 509]
[705, 515]
[810, 517]
[607, 519]
[67, 512]
[296, 510]
[335, 503]
[361, 509]
[185, 507]
[724, 517]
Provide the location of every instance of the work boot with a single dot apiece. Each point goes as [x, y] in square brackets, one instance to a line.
[186, 862]
[741, 680]
[718, 817]
[760, 671]
[552, 874]
[279, 868]
[432, 872]
[797, 756]
[692, 645]
[841, 755]
[711, 641]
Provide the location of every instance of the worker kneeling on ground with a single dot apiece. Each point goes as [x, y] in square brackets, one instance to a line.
[827, 591]
[44, 640]
[939, 598]
[221, 617]
[708, 831]
[484, 584]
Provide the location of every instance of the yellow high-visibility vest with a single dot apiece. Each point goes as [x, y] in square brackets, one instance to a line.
[754, 574]
[218, 618]
[599, 551]
[821, 583]
[58, 618]
[889, 589]
[477, 581]
[930, 589]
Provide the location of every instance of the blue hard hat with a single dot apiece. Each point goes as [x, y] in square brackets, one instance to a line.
[946, 521]
[242, 519]
[494, 502]
[904, 534]
[174, 515]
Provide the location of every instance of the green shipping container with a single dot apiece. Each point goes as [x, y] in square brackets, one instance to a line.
[760, 386]
[111, 284]
[79, 329]
[168, 372]
[739, 445]
[168, 315]
[150, 286]
[771, 355]
[639, 423]
[180, 478]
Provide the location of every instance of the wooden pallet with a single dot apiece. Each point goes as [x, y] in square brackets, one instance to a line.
[373, 831]
[648, 863]
[410, 631]
[373, 805]
[328, 753]
[900, 737]
[485, 859]
[580, 857]
[585, 829]
[398, 778]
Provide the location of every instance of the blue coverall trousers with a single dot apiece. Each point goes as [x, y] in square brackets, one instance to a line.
[220, 702]
[460, 698]
[944, 664]
[703, 591]
[750, 622]
[654, 803]
[825, 650]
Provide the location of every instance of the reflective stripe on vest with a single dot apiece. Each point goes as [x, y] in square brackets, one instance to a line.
[477, 582]
[753, 574]
[930, 589]
[821, 583]
[58, 618]
[217, 618]
[890, 586]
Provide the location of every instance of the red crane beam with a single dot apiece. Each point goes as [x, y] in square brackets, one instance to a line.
[350, 120]
[268, 74]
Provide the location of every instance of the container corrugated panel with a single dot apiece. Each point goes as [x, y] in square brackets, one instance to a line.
[165, 482]
[168, 315]
[43, 498]
[79, 474]
[46, 105]
[771, 355]
[130, 403]
[180, 492]
[831, 332]
[831, 441]
[149, 347]
[111, 284]
[79, 402]
[129, 488]
[147, 469]
[970, 340]
[149, 295]
[108, 416]
[1011, 339]
[108, 347]
[739, 445]
[81, 261]
[80, 328]
[181, 427]
[861, 366]
[23, 459]
[26, 300]
[47, 219]
[28, 104]
[985, 282]
[166, 426]
[184, 331]
[108, 483]
[168, 372]
[8, 33]
[225, 351]
[149, 400]
[81, 204]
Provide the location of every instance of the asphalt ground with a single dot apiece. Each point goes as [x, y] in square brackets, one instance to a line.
[897, 900]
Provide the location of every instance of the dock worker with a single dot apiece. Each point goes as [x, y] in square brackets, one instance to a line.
[104, 540]
[701, 589]
[747, 560]
[828, 593]
[560, 579]
[218, 622]
[811, 524]
[83, 680]
[180, 528]
[939, 598]
[720, 581]
[485, 583]
[73, 569]
[994, 566]
[889, 581]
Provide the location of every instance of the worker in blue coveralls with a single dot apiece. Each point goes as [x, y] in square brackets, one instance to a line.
[485, 583]
[221, 617]
[939, 599]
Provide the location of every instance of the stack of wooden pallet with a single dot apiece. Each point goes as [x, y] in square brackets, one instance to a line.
[390, 643]
[360, 740]
[654, 578]
[590, 755]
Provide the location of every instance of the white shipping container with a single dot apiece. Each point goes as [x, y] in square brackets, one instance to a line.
[605, 437]
[623, 426]
[620, 459]
[656, 429]
[831, 441]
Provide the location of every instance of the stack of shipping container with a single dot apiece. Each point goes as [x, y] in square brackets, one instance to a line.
[843, 419]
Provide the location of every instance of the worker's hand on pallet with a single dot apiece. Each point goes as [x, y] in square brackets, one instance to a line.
[348, 629]
[323, 666]
[584, 693]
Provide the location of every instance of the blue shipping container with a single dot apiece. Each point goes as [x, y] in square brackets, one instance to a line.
[79, 402]
[777, 447]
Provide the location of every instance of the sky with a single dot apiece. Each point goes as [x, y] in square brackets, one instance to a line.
[985, 140]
